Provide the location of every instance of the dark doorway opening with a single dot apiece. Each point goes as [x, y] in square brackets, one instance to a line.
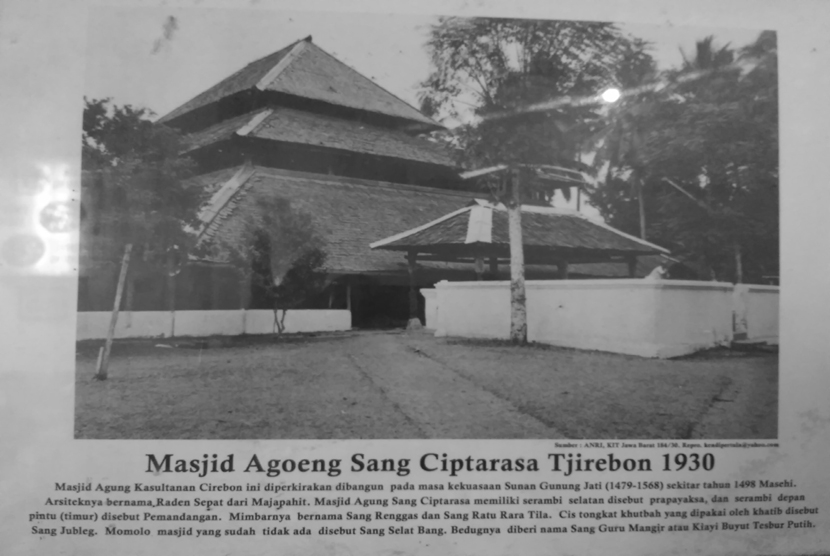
[382, 307]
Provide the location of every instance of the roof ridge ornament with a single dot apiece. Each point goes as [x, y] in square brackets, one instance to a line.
[254, 122]
[281, 66]
[223, 196]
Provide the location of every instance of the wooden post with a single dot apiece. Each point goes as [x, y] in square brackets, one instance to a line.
[414, 323]
[171, 290]
[125, 264]
[130, 296]
[100, 358]
[244, 291]
[479, 268]
[494, 267]
[632, 267]
[349, 297]
[244, 294]
[215, 288]
[642, 203]
[562, 266]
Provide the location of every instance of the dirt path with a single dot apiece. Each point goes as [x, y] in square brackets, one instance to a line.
[439, 401]
[404, 385]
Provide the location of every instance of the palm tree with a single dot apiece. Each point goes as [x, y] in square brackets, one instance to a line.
[707, 58]
[621, 150]
[707, 67]
[619, 143]
[520, 79]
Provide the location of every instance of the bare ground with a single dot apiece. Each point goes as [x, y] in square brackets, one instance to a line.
[410, 385]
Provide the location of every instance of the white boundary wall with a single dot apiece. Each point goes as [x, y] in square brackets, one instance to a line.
[430, 308]
[756, 311]
[165, 324]
[660, 318]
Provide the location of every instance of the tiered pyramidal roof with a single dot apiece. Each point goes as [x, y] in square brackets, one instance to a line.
[301, 127]
[306, 71]
[301, 109]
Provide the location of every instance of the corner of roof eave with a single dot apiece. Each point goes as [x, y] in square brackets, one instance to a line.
[655, 249]
[163, 120]
[391, 239]
[414, 127]
[654, 246]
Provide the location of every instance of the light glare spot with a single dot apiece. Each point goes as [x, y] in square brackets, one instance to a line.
[611, 95]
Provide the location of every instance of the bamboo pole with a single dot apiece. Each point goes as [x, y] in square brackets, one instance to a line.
[130, 296]
[244, 292]
[100, 358]
[171, 291]
[632, 267]
[479, 265]
[101, 373]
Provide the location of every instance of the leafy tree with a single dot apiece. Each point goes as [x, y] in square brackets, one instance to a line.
[618, 146]
[707, 57]
[134, 190]
[278, 253]
[708, 143]
[724, 153]
[527, 90]
[134, 184]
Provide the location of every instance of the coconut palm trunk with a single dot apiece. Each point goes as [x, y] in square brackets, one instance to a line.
[518, 300]
[739, 270]
[641, 201]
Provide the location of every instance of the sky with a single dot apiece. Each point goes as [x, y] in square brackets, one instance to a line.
[139, 56]
[136, 57]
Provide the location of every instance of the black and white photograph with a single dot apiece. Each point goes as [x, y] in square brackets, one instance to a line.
[326, 225]
[386, 277]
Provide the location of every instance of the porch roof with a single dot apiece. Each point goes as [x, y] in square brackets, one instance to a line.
[550, 235]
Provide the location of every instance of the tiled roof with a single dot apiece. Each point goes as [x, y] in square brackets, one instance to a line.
[242, 80]
[309, 128]
[542, 227]
[213, 181]
[217, 132]
[305, 70]
[350, 214]
[347, 213]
